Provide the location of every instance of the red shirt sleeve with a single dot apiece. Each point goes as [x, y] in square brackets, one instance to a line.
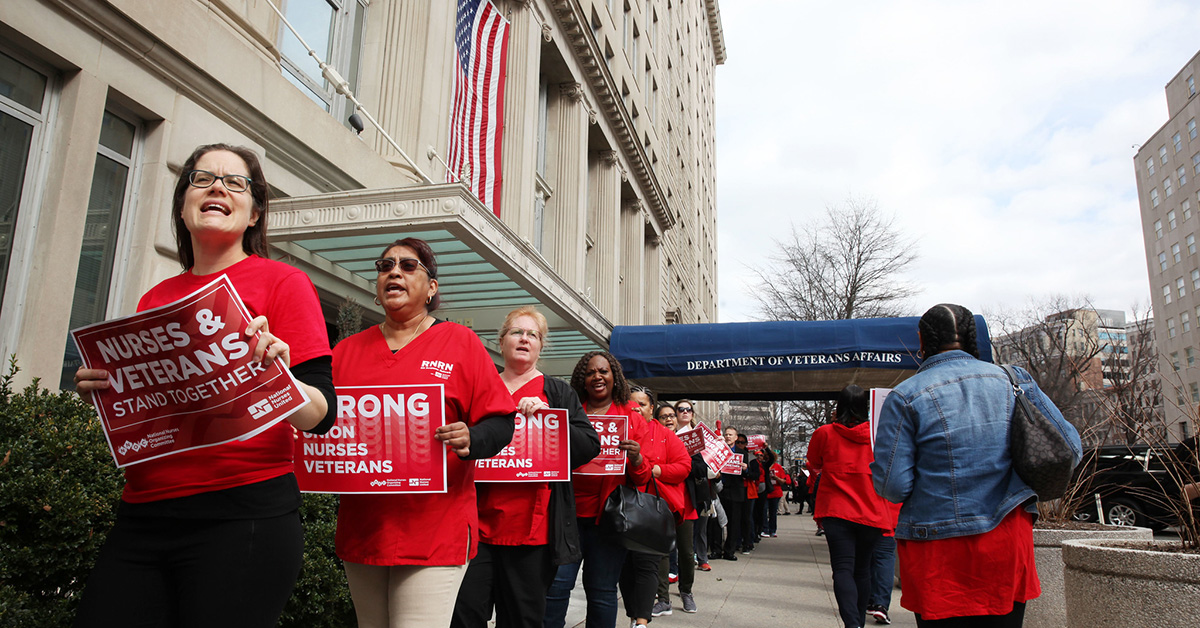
[678, 464]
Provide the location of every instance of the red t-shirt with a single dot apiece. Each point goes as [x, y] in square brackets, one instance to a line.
[660, 446]
[592, 490]
[777, 487]
[516, 513]
[425, 529]
[964, 576]
[843, 456]
[288, 299]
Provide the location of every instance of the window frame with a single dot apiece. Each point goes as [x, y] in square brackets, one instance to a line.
[340, 58]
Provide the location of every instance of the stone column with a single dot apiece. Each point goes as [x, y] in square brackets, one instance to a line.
[566, 164]
[652, 313]
[604, 210]
[632, 262]
[519, 139]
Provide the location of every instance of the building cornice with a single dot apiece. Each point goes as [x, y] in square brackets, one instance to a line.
[573, 23]
[715, 31]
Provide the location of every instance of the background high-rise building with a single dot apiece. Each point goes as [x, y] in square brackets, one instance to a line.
[607, 210]
[1167, 165]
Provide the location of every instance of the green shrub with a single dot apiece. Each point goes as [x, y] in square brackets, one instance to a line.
[58, 497]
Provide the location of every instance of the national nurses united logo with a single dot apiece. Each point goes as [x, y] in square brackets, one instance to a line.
[260, 409]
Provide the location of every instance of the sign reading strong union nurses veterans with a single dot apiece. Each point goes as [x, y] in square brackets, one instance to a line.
[183, 376]
[611, 461]
[538, 451]
[382, 442]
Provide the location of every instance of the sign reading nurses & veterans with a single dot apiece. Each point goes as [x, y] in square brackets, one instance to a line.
[716, 453]
[183, 376]
[693, 440]
[381, 442]
[611, 461]
[538, 451]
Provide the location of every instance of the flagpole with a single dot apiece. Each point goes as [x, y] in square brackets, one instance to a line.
[342, 86]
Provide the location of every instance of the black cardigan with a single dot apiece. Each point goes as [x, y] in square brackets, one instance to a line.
[584, 445]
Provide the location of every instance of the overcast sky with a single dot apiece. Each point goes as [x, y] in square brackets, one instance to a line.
[999, 134]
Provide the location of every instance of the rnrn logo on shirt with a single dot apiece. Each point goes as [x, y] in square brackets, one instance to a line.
[440, 369]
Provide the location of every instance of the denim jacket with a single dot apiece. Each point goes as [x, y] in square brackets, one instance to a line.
[941, 448]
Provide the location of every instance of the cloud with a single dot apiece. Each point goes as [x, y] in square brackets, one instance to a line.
[999, 134]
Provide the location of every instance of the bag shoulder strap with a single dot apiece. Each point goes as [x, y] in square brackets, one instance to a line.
[1012, 378]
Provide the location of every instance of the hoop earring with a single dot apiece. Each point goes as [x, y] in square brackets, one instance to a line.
[377, 301]
[429, 300]
[920, 354]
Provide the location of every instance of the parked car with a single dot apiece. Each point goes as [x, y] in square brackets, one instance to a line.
[1134, 483]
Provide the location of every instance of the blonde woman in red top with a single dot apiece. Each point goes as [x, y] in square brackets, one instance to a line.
[600, 383]
[851, 513]
[525, 529]
[405, 555]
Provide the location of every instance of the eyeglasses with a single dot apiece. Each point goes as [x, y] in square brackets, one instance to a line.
[516, 333]
[681, 410]
[407, 264]
[232, 182]
[666, 416]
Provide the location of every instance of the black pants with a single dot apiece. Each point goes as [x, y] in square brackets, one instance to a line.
[687, 563]
[1012, 620]
[749, 531]
[639, 584]
[734, 511]
[512, 579]
[851, 547]
[160, 572]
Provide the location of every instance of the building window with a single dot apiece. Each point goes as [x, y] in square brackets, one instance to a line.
[1167, 294]
[1158, 229]
[1181, 173]
[1196, 280]
[1175, 360]
[1171, 332]
[1162, 154]
[1195, 392]
[1154, 197]
[1191, 82]
[1171, 224]
[1162, 261]
[1167, 189]
[1179, 286]
[24, 107]
[1185, 322]
[1191, 356]
[1191, 243]
[1196, 164]
[1177, 140]
[1175, 253]
[1192, 129]
[1150, 166]
[1187, 208]
[112, 182]
[334, 28]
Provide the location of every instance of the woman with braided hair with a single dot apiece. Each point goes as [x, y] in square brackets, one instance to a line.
[965, 532]
[601, 385]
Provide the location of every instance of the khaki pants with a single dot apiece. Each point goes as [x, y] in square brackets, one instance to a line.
[403, 596]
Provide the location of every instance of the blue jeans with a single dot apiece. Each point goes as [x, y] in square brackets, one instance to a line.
[851, 546]
[883, 572]
[603, 557]
[772, 521]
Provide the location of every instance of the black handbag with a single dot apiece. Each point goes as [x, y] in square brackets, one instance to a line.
[1041, 453]
[642, 521]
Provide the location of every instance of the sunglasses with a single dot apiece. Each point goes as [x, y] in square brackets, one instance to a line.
[407, 264]
[205, 179]
[688, 410]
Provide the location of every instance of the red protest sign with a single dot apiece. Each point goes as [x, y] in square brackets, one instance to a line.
[538, 451]
[716, 453]
[611, 461]
[755, 442]
[693, 440]
[382, 442]
[183, 376]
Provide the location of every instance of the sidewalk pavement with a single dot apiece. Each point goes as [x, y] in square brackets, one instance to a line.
[784, 582]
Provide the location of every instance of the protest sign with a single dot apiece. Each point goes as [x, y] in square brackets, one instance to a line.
[716, 453]
[755, 442]
[877, 397]
[611, 461]
[693, 440]
[538, 451]
[382, 442]
[183, 376]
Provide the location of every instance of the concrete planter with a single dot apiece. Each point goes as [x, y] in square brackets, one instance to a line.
[1050, 609]
[1109, 585]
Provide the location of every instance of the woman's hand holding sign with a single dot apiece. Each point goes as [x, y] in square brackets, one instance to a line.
[269, 347]
[457, 437]
[529, 405]
[88, 380]
[634, 449]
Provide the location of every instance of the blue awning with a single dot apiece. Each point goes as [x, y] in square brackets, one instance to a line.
[772, 360]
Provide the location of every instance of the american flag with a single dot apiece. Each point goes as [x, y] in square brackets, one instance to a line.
[481, 43]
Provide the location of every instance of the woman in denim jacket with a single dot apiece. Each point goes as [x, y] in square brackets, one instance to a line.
[965, 534]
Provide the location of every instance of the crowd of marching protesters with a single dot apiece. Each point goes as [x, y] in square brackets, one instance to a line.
[212, 536]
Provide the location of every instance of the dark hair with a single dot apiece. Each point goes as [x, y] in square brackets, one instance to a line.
[620, 392]
[254, 239]
[770, 457]
[662, 406]
[425, 254]
[636, 388]
[851, 407]
[945, 324]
